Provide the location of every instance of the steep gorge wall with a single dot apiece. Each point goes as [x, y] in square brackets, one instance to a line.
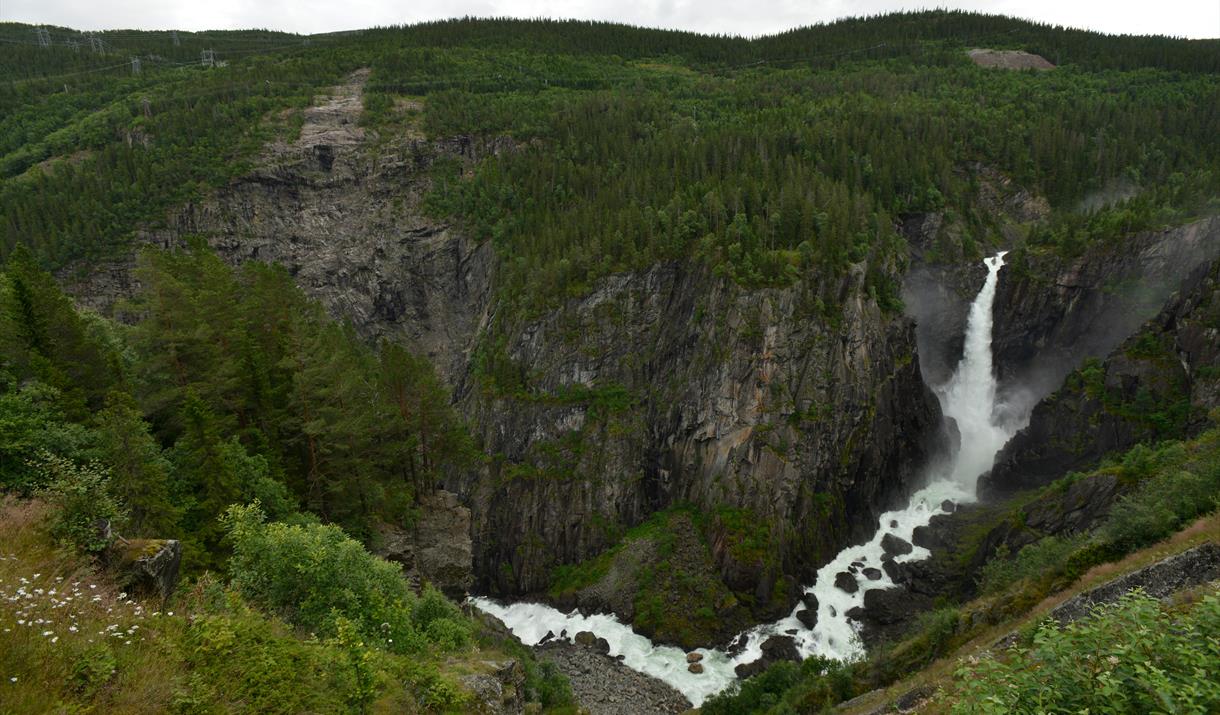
[810, 421]
[788, 418]
[1160, 383]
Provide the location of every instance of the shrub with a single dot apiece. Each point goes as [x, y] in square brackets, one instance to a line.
[755, 695]
[313, 574]
[1130, 657]
[1034, 561]
[93, 668]
[84, 510]
[1161, 505]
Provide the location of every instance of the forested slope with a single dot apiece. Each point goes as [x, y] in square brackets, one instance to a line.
[659, 274]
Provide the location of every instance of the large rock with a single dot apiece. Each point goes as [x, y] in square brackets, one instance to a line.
[438, 550]
[895, 545]
[887, 613]
[498, 688]
[148, 566]
[774, 649]
[844, 581]
[807, 617]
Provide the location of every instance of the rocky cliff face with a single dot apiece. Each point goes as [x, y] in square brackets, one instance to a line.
[786, 424]
[1158, 384]
[754, 406]
[340, 209]
[1053, 313]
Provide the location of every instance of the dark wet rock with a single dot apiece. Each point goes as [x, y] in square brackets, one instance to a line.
[810, 601]
[807, 617]
[893, 523]
[774, 650]
[749, 670]
[844, 581]
[895, 545]
[887, 613]
[586, 639]
[948, 506]
[694, 657]
[601, 645]
[872, 574]
[928, 536]
[856, 613]
[892, 569]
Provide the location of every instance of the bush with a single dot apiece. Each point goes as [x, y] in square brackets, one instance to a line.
[1131, 657]
[314, 575]
[1034, 561]
[1162, 505]
[93, 668]
[755, 695]
[84, 510]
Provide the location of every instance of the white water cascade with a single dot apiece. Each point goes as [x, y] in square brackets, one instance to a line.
[969, 398]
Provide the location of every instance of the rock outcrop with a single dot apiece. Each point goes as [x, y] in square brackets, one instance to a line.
[1052, 313]
[437, 550]
[148, 566]
[1160, 383]
[497, 689]
[1009, 59]
[673, 386]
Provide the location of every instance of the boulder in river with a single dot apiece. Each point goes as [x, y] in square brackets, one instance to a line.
[846, 582]
[694, 657]
[695, 668]
[586, 638]
[895, 545]
[774, 649]
[807, 617]
[872, 573]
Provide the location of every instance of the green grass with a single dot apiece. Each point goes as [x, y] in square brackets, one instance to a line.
[71, 641]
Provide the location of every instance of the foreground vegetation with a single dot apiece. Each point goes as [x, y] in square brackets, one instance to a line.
[273, 640]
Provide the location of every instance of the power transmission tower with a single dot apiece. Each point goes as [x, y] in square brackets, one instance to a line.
[146, 106]
[176, 42]
[208, 58]
[73, 44]
[135, 65]
[44, 37]
[95, 44]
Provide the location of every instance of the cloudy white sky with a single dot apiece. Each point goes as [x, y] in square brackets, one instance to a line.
[1183, 18]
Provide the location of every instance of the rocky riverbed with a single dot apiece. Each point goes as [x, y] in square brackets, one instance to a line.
[604, 686]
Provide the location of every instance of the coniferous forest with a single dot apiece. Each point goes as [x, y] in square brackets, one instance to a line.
[224, 406]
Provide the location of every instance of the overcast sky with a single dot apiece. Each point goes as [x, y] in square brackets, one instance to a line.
[1183, 18]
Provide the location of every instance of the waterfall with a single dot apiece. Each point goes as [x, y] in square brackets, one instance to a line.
[968, 398]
